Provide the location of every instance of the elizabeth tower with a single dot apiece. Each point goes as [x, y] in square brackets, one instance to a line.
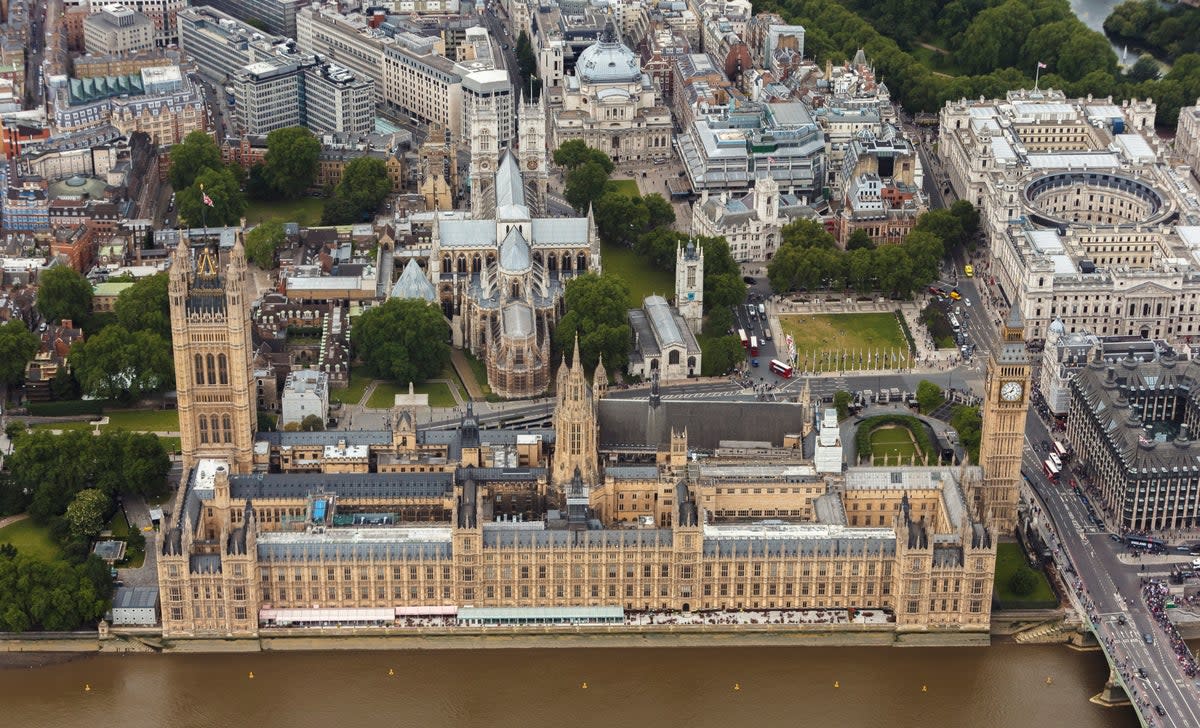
[1002, 443]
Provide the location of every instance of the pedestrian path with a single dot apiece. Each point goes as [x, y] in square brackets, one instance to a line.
[466, 374]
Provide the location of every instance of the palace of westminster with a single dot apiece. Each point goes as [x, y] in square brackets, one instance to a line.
[608, 507]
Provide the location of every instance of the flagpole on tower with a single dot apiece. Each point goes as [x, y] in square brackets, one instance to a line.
[1038, 74]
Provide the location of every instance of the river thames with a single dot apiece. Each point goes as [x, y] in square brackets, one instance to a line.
[1004, 686]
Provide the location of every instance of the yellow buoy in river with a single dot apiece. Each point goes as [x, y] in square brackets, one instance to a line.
[836, 684]
[87, 688]
[391, 671]
[924, 688]
[583, 686]
[1049, 681]
[251, 674]
[737, 686]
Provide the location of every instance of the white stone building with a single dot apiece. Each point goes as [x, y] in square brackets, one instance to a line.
[662, 343]
[749, 222]
[1187, 137]
[1086, 221]
[612, 105]
[116, 29]
[306, 392]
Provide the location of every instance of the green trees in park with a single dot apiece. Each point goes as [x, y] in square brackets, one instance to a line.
[119, 364]
[262, 242]
[47, 470]
[1023, 581]
[584, 184]
[596, 312]
[622, 219]
[364, 186]
[808, 257]
[290, 164]
[56, 596]
[929, 396]
[195, 154]
[63, 294]
[87, 512]
[402, 340]
[1169, 30]
[222, 189]
[17, 347]
[144, 306]
[1000, 42]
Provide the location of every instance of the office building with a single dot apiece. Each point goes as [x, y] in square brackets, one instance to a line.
[335, 100]
[277, 17]
[117, 29]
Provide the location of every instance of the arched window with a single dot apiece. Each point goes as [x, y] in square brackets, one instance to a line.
[203, 429]
[215, 427]
[222, 369]
[673, 356]
[199, 369]
[228, 430]
[212, 369]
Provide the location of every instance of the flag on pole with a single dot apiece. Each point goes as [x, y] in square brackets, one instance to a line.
[1041, 65]
[207, 200]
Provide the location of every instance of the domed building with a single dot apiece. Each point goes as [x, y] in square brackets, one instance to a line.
[611, 104]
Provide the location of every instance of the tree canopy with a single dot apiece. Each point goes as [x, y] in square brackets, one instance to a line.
[290, 164]
[87, 512]
[575, 152]
[48, 470]
[262, 242]
[144, 306]
[63, 294]
[51, 595]
[402, 340]
[195, 154]
[929, 396]
[596, 312]
[17, 347]
[365, 184]
[222, 187]
[584, 185]
[119, 364]
[527, 66]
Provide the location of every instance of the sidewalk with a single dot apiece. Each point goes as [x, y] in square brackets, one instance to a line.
[466, 374]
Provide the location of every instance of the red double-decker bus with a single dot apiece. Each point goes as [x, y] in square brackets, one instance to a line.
[781, 369]
[753, 346]
[1051, 470]
[744, 338]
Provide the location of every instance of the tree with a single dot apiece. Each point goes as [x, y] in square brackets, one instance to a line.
[967, 216]
[944, 224]
[574, 153]
[860, 239]
[17, 347]
[262, 242]
[221, 186]
[584, 185]
[339, 211]
[290, 164]
[968, 423]
[1023, 581]
[365, 184]
[312, 423]
[929, 396]
[63, 294]
[804, 233]
[1145, 69]
[119, 364]
[402, 340]
[86, 513]
[596, 313]
[64, 385]
[842, 400]
[144, 306]
[195, 154]
[720, 355]
[662, 215]
[527, 65]
[620, 219]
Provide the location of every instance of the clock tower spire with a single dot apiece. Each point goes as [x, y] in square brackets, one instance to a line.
[1002, 442]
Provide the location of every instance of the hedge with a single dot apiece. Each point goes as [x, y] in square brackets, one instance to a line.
[67, 408]
[862, 436]
[912, 343]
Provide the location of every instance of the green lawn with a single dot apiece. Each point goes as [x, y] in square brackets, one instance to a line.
[861, 336]
[479, 369]
[353, 391]
[891, 440]
[642, 279]
[118, 525]
[30, 539]
[166, 420]
[626, 187]
[384, 396]
[304, 211]
[1010, 557]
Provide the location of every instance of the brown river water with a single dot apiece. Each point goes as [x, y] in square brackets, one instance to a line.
[1003, 686]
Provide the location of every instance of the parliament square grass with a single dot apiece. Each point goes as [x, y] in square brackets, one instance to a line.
[844, 332]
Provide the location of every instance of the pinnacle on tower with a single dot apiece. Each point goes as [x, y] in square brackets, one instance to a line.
[575, 357]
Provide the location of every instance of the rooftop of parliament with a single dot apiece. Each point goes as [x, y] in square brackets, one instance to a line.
[607, 508]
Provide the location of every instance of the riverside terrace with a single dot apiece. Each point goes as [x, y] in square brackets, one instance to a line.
[1132, 426]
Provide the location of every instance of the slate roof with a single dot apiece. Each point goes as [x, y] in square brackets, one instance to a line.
[708, 422]
[412, 283]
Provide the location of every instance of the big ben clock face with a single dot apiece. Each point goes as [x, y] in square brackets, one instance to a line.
[1011, 391]
[532, 164]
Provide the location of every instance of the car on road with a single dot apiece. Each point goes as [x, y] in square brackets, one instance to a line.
[1159, 709]
[754, 362]
[1142, 673]
[1148, 638]
[748, 280]
[969, 271]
